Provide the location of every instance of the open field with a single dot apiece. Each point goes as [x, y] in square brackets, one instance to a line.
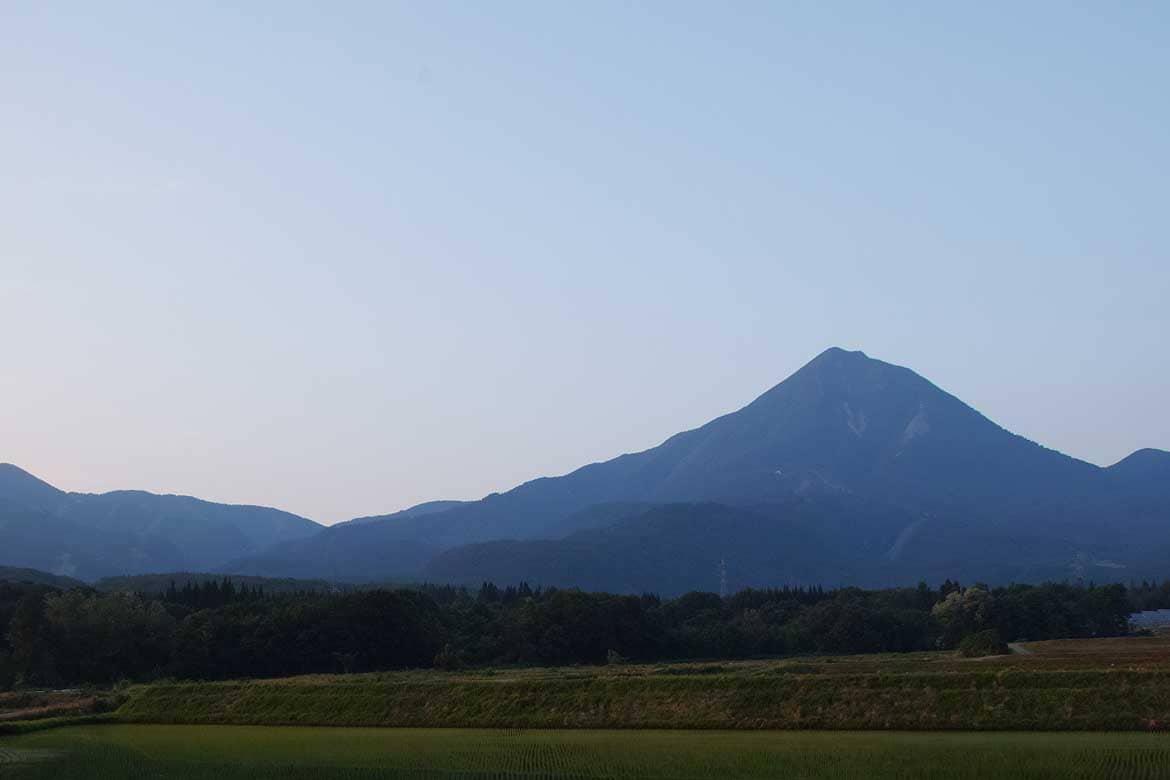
[226, 753]
[1121, 684]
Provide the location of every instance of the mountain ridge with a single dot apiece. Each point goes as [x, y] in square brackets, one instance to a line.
[91, 535]
[417, 510]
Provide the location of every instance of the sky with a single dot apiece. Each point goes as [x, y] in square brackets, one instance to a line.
[340, 258]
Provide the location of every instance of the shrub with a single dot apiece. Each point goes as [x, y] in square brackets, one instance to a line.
[448, 659]
[982, 643]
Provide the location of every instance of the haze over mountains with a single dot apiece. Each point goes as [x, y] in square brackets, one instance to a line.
[851, 471]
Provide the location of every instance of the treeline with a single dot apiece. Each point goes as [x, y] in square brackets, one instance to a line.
[219, 593]
[216, 630]
[1150, 595]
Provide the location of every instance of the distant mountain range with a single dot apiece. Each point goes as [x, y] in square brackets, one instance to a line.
[90, 536]
[851, 471]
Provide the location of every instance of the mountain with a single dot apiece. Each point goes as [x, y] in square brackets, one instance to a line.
[844, 423]
[850, 471]
[129, 532]
[844, 440]
[22, 488]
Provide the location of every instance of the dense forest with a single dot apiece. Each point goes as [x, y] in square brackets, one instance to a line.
[217, 629]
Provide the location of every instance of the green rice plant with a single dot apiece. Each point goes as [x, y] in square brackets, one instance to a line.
[231, 753]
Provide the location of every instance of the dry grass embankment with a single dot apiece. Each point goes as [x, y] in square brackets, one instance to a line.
[1079, 685]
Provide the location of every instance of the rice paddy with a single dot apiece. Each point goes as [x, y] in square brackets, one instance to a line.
[229, 752]
[1088, 709]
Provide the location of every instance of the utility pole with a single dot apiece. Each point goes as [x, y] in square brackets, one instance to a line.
[723, 577]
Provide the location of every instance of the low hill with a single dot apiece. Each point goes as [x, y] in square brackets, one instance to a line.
[823, 540]
[34, 577]
[675, 548]
[375, 550]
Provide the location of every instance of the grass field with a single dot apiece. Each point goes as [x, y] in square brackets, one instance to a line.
[1121, 684]
[231, 752]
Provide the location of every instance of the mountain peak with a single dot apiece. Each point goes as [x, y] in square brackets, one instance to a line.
[839, 355]
[843, 373]
[1144, 465]
[12, 468]
[844, 363]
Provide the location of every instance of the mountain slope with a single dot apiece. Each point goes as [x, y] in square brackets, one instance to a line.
[673, 548]
[418, 510]
[377, 548]
[35, 539]
[129, 532]
[23, 489]
[821, 540]
[362, 552]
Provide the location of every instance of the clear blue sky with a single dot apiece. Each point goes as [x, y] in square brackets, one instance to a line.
[343, 257]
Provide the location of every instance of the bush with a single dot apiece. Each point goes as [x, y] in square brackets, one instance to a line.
[448, 659]
[982, 643]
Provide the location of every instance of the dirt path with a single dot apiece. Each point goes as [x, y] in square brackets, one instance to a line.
[48, 710]
[1018, 648]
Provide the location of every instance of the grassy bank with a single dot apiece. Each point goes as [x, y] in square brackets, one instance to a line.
[15, 727]
[31, 710]
[1056, 688]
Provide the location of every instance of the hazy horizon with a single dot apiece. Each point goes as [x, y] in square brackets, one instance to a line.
[340, 261]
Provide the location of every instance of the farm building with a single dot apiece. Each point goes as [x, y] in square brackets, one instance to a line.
[1151, 620]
